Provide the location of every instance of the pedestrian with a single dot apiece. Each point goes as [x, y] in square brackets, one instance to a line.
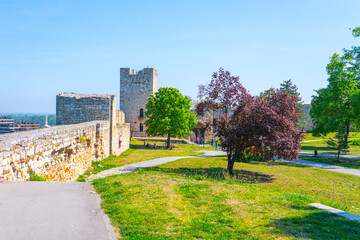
[216, 143]
[197, 140]
[212, 141]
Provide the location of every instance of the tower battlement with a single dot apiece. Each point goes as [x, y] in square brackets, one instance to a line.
[135, 88]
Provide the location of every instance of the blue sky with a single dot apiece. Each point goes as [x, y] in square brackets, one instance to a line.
[48, 47]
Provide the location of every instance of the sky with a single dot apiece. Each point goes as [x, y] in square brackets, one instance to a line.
[49, 47]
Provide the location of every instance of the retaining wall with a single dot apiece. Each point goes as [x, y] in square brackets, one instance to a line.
[59, 153]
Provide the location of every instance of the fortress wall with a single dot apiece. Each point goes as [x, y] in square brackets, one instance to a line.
[59, 153]
[121, 133]
[89, 129]
[78, 108]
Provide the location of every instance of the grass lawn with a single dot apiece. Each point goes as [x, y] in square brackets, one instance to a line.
[321, 147]
[343, 162]
[138, 153]
[195, 199]
[309, 136]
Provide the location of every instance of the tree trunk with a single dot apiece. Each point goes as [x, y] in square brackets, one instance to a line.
[168, 141]
[338, 156]
[347, 131]
[230, 165]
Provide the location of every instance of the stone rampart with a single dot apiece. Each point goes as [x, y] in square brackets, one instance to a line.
[59, 153]
[78, 108]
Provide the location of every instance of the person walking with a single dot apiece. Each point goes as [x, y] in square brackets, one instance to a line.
[216, 143]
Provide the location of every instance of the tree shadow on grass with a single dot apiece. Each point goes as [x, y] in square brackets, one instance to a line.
[318, 225]
[313, 148]
[280, 163]
[218, 174]
[138, 146]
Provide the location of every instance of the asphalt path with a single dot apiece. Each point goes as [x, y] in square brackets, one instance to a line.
[52, 210]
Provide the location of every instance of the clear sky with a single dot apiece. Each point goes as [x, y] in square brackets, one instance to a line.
[49, 47]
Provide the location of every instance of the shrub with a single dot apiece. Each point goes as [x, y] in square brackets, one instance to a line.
[355, 142]
[37, 178]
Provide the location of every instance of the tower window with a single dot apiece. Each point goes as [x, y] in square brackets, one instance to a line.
[141, 127]
[141, 112]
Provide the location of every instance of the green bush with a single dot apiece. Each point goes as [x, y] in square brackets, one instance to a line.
[355, 142]
[81, 178]
[37, 178]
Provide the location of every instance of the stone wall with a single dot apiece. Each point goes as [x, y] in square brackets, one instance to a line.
[59, 153]
[135, 89]
[121, 133]
[64, 152]
[78, 108]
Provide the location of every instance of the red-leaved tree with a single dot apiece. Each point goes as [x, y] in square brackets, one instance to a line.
[262, 127]
[222, 92]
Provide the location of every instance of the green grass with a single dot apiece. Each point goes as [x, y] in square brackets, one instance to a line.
[138, 153]
[196, 199]
[321, 147]
[343, 162]
[309, 136]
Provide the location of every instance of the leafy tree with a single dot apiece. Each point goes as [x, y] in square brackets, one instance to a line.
[267, 92]
[265, 127]
[289, 87]
[222, 92]
[168, 113]
[335, 106]
[340, 143]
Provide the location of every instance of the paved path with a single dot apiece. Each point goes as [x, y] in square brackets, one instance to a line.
[329, 167]
[337, 211]
[149, 163]
[51, 211]
[160, 161]
[329, 155]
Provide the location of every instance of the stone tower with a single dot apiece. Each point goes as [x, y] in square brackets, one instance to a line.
[135, 89]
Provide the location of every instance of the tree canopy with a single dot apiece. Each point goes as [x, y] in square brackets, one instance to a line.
[336, 106]
[264, 127]
[222, 92]
[168, 113]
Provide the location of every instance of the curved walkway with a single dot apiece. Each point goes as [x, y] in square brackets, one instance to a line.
[160, 161]
[333, 168]
[328, 155]
[150, 163]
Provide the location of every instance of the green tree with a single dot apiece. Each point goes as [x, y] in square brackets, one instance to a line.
[340, 144]
[333, 107]
[267, 93]
[289, 87]
[168, 113]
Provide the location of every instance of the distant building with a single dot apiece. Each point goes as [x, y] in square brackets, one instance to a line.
[9, 125]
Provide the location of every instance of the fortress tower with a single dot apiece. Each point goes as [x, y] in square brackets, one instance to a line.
[135, 89]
